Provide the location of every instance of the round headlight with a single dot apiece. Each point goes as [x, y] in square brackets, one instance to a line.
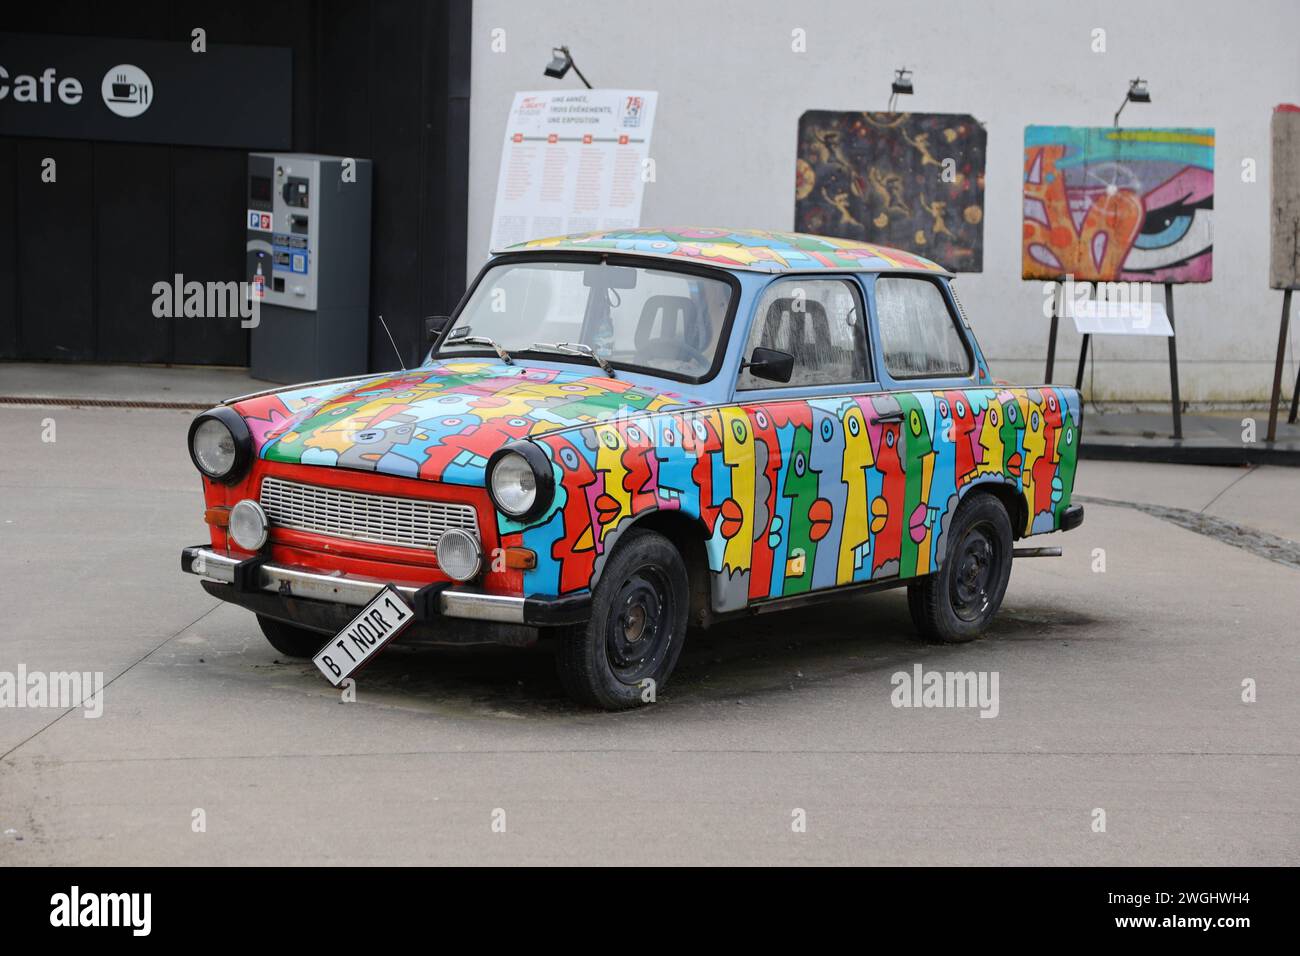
[248, 525]
[458, 554]
[514, 484]
[213, 447]
[221, 445]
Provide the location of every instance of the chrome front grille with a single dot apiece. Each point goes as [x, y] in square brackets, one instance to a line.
[379, 519]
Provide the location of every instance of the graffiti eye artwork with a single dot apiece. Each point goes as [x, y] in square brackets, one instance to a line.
[1108, 204]
[1165, 226]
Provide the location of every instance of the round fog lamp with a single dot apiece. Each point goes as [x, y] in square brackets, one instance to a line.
[459, 554]
[248, 525]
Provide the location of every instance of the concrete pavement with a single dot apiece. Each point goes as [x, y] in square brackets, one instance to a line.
[199, 385]
[1120, 690]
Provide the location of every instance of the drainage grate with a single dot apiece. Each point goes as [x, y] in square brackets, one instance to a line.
[1275, 548]
[38, 400]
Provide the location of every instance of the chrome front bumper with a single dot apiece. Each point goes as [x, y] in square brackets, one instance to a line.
[257, 575]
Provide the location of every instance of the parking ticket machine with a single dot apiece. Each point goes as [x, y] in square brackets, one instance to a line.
[308, 265]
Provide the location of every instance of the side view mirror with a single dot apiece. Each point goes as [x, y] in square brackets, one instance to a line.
[434, 325]
[770, 364]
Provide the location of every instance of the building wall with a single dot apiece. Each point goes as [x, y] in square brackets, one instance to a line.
[387, 80]
[731, 92]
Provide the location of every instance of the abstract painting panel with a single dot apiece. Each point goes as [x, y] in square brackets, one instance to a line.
[913, 181]
[1108, 204]
[1284, 200]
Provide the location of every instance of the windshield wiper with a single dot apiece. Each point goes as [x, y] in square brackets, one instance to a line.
[455, 339]
[577, 348]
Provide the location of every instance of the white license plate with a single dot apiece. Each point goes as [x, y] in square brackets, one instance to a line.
[378, 623]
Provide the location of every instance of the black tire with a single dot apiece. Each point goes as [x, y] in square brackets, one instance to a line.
[956, 603]
[636, 630]
[289, 640]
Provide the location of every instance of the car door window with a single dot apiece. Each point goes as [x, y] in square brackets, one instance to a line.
[819, 322]
[918, 332]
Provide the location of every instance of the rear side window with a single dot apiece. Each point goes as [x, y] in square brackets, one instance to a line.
[918, 333]
[819, 322]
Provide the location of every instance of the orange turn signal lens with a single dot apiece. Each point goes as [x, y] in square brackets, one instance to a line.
[217, 516]
[521, 559]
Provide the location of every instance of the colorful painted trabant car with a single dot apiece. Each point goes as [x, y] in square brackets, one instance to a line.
[619, 435]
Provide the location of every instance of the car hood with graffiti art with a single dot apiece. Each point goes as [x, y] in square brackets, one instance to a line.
[440, 422]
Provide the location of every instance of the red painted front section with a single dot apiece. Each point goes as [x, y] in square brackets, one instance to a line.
[385, 562]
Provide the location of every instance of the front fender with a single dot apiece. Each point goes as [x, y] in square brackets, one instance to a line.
[612, 476]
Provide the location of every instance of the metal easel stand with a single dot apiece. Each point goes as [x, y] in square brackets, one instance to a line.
[1175, 400]
[1173, 361]
[1051, 337]
[1275, 396]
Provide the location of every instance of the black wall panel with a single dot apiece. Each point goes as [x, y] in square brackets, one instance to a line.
[8, 251]
[396, 122]
[56, 264]
[132, 225]
[342, 80]
[444, 223]
[208, 221]
[78, 263]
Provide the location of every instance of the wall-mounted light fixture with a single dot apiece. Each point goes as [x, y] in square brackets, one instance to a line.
[561, 60]
[902, 85]
[1137, 93]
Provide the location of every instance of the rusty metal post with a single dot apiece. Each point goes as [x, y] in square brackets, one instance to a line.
[1051, 338]
[1275, 396]
[1173, 361]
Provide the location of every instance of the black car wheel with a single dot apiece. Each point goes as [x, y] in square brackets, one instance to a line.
[289, 640]
[623, 655]
[956, 603]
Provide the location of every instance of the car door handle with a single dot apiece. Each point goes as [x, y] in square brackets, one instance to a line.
[887, 418]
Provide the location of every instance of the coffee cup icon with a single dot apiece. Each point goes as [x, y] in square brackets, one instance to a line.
[127, 90]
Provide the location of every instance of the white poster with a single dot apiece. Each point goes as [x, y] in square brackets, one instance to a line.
[1123, 317]
[573, 161]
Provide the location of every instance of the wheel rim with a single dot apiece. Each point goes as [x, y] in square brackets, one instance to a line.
[639, 628]
[974, 575]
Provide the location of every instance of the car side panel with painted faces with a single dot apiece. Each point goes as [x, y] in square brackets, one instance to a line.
[799, 495]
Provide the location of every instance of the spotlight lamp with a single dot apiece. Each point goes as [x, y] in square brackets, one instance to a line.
[1137, 93]
[902, 85]
[561, 60]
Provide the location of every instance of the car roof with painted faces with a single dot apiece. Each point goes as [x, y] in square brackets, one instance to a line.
[751, 250]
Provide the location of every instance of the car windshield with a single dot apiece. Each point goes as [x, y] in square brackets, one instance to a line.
[610, 316]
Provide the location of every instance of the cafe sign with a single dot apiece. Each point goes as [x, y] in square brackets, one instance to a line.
[145, 91]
